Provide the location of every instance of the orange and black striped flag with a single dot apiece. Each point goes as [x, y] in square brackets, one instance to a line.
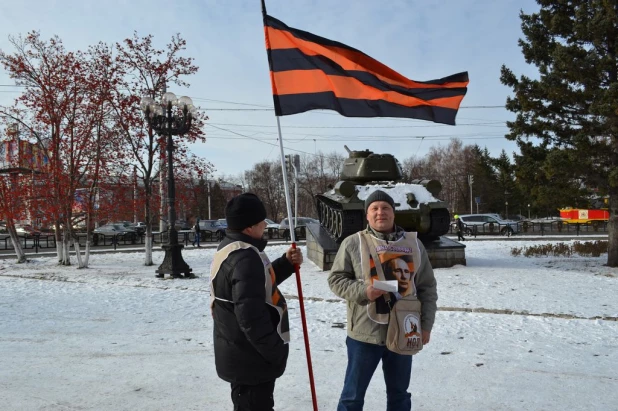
[310, 72]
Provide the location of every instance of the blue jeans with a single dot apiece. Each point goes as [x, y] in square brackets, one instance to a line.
[363, 359]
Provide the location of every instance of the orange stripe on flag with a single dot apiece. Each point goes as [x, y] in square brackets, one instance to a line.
[316, 81]
[348, 59]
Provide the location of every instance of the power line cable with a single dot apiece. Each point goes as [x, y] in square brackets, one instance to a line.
[352, 138]
[361, 127]
[261, 141]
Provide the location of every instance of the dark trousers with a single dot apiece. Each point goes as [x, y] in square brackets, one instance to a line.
[363, 359]
[460, 235]
[258, 397]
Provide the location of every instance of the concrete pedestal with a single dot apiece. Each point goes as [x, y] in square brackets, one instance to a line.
[321, 248]
[445, 252]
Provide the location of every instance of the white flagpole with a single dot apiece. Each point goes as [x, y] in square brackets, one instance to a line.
[301, 303]
[285, 185]
[288, 204]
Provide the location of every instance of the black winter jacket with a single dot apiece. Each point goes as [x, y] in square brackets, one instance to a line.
[248, 349]
[460, 225]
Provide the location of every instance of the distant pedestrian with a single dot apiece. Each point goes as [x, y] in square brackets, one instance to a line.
[460, 228]
[197, 232]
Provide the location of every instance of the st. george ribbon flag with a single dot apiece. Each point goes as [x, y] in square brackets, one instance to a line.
[310, 72]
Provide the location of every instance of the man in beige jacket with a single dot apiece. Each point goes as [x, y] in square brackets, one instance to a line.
[367, 311]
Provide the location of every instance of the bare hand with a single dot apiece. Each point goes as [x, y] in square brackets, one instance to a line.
[425, 335]
[373, 293]
[294, 256]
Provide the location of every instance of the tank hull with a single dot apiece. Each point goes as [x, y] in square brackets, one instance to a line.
[343, 215]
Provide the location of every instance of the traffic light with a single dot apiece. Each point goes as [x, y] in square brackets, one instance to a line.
[297, 162]
[287, 161]
[470, 179]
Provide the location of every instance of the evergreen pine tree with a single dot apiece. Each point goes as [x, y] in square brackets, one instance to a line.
[572, 107]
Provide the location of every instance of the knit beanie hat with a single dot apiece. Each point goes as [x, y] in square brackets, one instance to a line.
[379, 195]
[243, 211]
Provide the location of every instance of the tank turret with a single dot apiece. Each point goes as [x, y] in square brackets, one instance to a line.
[365, 166]
[341, 210]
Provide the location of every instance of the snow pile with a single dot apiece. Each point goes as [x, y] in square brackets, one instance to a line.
[399, 193]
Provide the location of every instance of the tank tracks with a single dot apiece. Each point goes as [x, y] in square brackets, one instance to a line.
[338, 222]
[440, 224]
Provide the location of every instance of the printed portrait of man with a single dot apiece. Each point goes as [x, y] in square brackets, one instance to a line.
[402, 271]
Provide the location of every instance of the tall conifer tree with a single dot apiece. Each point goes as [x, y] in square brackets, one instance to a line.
[571, 107]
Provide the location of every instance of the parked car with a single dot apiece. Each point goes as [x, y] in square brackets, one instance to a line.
[299, 227]
[118, 230]
[26, 230]
[271, 224]
[129, 226]
[212, 229]
[272, 229]
[178, 224]
[182, 225]
[488, 224]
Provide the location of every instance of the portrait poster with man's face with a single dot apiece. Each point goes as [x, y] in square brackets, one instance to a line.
[396, 266]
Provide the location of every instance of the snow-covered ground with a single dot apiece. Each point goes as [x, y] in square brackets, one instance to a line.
[512, 333]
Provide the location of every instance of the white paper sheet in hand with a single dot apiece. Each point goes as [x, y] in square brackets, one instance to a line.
[390, 285]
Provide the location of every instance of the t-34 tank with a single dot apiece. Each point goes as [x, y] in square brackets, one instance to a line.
[341, 210]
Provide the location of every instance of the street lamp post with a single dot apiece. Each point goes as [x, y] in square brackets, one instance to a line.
[167, 123]
[528, 211]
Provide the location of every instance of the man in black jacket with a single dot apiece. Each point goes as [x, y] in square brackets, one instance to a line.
[251, 328]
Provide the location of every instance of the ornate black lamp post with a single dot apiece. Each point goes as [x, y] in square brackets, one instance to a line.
[165, 122]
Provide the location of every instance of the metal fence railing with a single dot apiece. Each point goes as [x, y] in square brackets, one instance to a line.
[46, 241]
[534, 228]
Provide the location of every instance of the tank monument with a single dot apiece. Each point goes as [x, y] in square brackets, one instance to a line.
[341, 210]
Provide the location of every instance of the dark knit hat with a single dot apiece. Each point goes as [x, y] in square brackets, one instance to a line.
[379, 195]
[244, 211]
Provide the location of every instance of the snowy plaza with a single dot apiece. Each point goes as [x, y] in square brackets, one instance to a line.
[511, 333]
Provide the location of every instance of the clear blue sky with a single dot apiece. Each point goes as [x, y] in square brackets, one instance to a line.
[422, 40]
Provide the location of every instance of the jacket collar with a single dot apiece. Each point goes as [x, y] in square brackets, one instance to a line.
[232, 236]
[394, 236]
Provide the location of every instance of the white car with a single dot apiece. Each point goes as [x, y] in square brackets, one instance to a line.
[488, 224]
[299, 228]
[270, 224]
[272, 229]
[26, 230]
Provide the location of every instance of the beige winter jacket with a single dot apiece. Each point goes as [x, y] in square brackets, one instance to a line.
[346, 280]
